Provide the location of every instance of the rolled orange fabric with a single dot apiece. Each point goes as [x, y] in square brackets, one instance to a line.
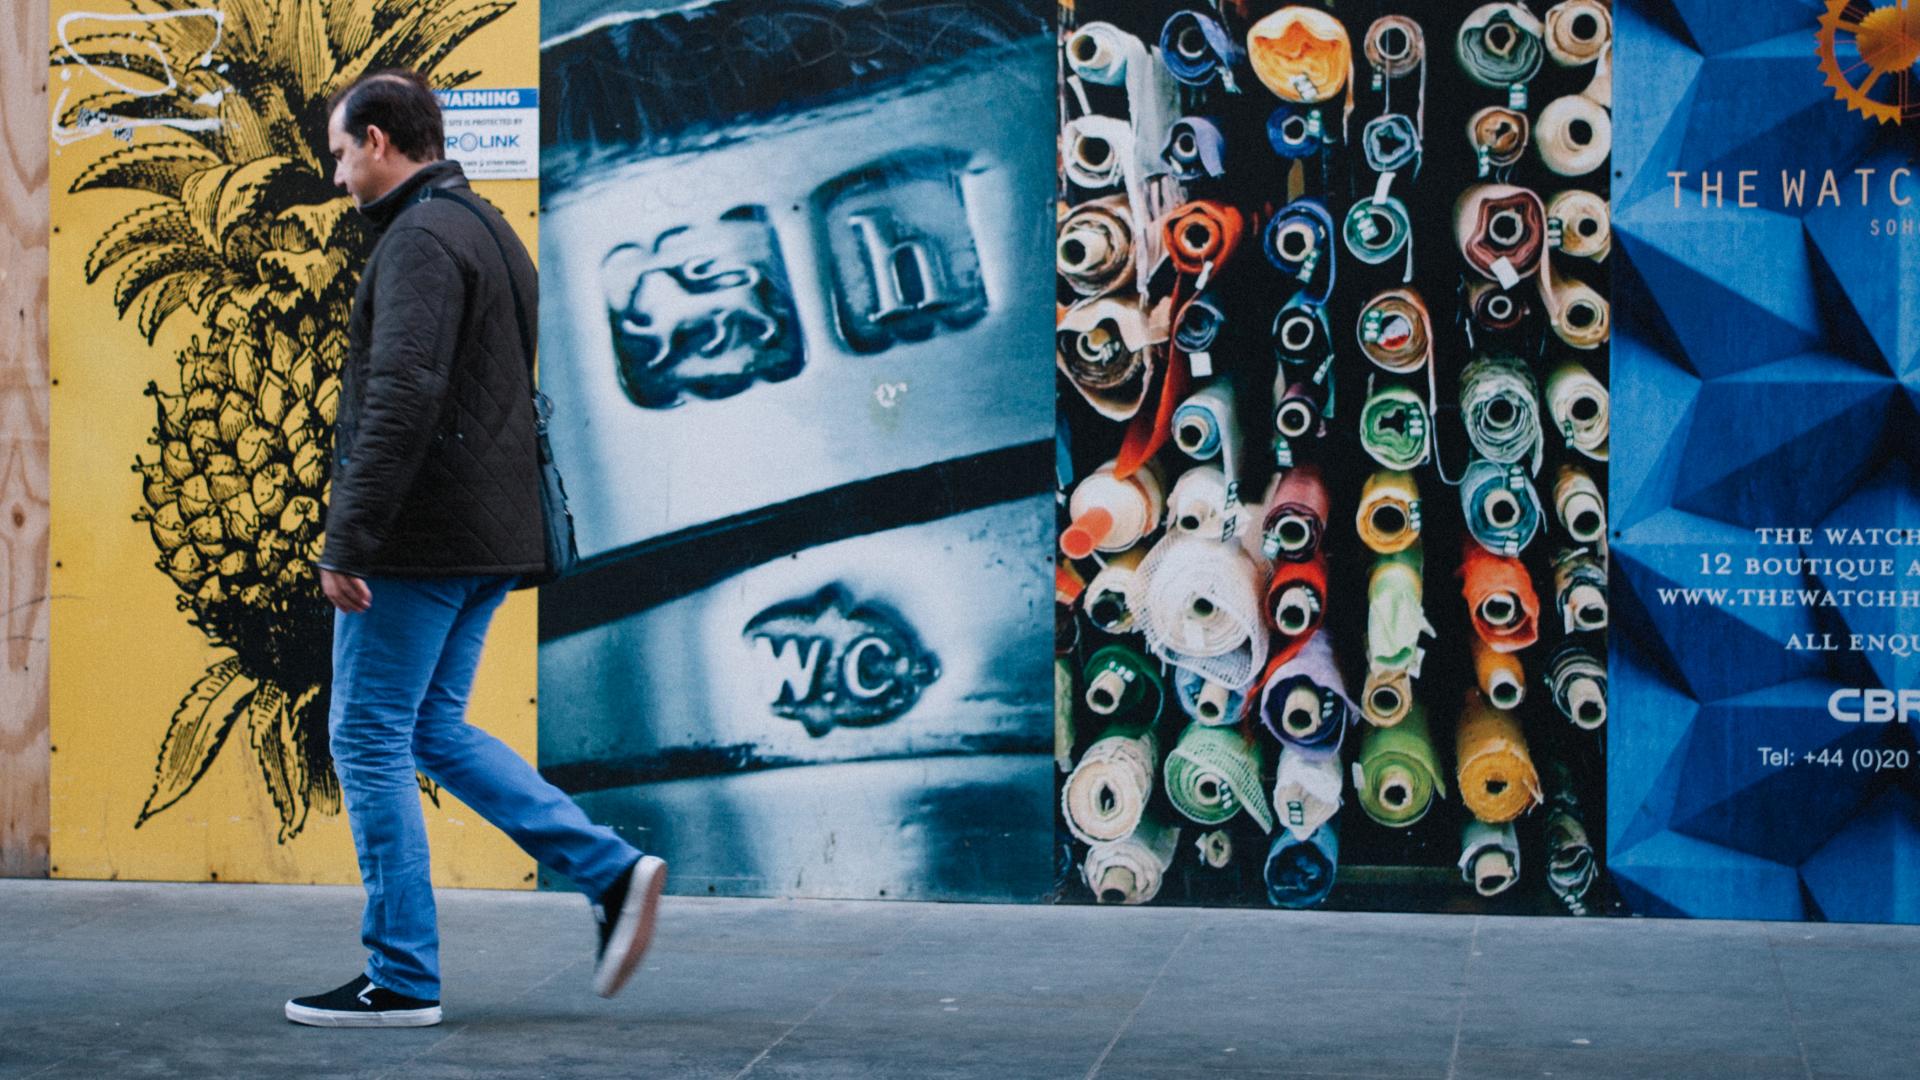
[1201, 237]
[1497, 779]
[1302, 55]
[1506, 610]
[1501, 675]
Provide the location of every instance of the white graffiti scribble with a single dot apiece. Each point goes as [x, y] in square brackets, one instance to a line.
[94, 122]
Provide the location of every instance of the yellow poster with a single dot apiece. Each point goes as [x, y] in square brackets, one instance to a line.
[202, 269]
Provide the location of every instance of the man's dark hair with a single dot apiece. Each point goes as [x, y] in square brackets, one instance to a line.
[399, 102]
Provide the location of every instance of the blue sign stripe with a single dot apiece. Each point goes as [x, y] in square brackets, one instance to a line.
[526, 98]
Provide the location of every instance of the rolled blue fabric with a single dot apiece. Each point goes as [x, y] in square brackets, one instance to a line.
[1198, 50]
[1200, 324]
[1296, 132]
[1327, 711]
[1302, 336]
[1196, 150]
[1198, 415]
[1188, 686]
[1300, 873]
[1392, 143]
[1501, 506]
[1300, 242]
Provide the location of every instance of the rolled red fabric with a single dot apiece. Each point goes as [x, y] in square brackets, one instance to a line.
[1200, 237]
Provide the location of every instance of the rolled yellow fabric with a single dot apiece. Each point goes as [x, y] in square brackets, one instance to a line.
[1389, 515]
[1302, 55]
[1501, 675]
[1581, 507]
[1387, 697]
[1497, 779]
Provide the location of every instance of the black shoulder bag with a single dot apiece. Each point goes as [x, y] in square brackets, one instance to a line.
[562, 552]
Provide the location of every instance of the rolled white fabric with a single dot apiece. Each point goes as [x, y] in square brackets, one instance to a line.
[1578, 32]
[1206, 427]
[1216, 848]
[1096, 151]
[1198, 504]
[1586, 225]
[1198, 604]
[1581, 316]
[1130, 870]
[1106, 601]
[1107, 791]
[1111, 514]
[1574, 135]
[1580, 407]
[1306, 791]
[1489, 857]
[1104, 54]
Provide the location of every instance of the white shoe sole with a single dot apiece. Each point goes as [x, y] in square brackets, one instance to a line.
[301, 1014]
[633, 931]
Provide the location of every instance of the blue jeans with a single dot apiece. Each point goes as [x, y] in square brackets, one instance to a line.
[401, 673]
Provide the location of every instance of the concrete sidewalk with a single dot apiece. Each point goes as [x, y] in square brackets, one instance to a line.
[121, 980]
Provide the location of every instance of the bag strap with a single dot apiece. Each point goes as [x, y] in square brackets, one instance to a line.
[519, 305]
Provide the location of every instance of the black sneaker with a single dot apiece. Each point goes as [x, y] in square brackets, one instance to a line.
[626, 913]
[362, 1004]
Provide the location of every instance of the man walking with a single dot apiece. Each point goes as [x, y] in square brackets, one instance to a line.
[435, 513]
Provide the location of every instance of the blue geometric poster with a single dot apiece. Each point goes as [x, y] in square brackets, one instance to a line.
[1766, 522]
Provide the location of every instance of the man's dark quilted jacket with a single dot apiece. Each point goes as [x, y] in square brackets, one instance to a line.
[434, 466]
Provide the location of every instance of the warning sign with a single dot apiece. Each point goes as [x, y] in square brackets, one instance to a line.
[493, 134]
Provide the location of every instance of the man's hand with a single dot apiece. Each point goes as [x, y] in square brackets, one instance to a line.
[346, 592]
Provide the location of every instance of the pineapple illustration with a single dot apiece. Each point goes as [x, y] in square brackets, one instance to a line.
[221, 115]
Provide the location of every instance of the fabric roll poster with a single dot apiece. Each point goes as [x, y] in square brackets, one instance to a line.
[1331, 357]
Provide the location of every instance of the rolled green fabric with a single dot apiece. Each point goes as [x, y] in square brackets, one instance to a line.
[1499, 402]
[1394, 427]
[1214, 773]
[1124, 686]
[1502, 45]
[1395, 616]
[1398, 772]
[1062, 714]
[1377, 230]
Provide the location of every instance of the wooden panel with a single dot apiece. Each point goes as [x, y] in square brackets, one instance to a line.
[24, 750]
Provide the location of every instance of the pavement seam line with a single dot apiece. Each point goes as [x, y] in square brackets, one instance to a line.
[1793, 1014]
[828, 1000]
[1101, 1061]
[1466, 987]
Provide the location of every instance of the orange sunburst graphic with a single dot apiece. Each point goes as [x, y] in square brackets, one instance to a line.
[1868, 50]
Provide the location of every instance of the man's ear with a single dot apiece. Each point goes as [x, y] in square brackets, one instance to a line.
[377, 143]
